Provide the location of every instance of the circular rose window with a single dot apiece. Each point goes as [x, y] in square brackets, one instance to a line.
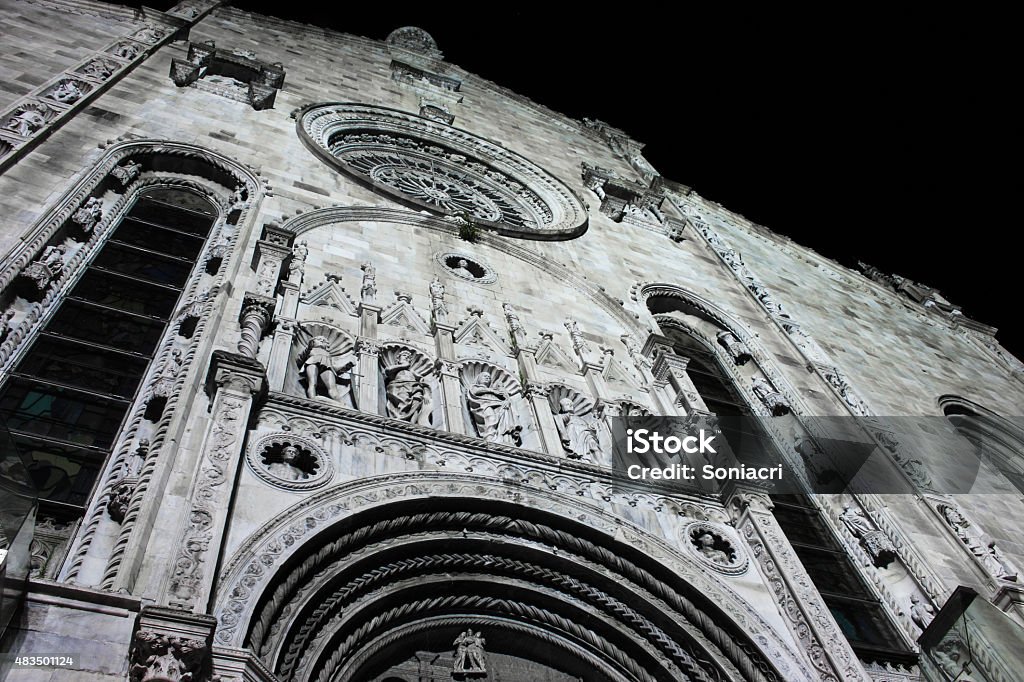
[431, 165]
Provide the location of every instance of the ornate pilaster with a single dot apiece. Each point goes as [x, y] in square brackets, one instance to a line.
[257, 312]
[267, 263]
[235, 381]
[280, 349]
[538, 395]
[368, 397]
[806, 614]
[670, 378]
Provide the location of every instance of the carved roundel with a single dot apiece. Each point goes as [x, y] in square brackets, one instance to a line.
[714, 547]
[443, 169]
[466, 267]
[287, 461]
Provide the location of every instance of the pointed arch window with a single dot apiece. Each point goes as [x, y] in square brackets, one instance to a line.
[67, 398]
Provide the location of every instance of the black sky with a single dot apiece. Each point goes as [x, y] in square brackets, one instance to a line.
[881, 137]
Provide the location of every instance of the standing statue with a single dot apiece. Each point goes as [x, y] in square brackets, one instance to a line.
[438, 310]
[921, 614]
[368, 290]
[321, 368]
[772, 399]
[491, 409]
[984, 549]
[408, 396]
[469, 653]
[871, 539]
[578, 435]
[299, 253]
[579, 344]
[640, 361]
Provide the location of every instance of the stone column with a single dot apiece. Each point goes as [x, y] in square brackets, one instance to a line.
[368, 393]
[235, 381]
[814, 629]
[257, 312]
[280, 352]
[448, 376]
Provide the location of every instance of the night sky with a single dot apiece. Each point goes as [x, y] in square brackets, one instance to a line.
[883, 138]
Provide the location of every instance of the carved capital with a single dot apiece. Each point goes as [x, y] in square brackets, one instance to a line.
[171, 646]
[234, 372]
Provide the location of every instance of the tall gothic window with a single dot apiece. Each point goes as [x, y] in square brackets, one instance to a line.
[67, 398]
[855, 607]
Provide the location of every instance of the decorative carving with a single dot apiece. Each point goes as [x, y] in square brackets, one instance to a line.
[6, 323]
[257, 311]
[737, 350]
[127, 172]
[489, 396]
[516, 331]
[469, 655]
[409, 397]
[46, 268]
[163, 386]
[640, 361]
[982, 547]
[579, 344]
[413, 39]
[158, 657]
[29, 119]
[438, 311]
[368, 290]
[100, 69]
[838, 381]
[120, 497]
[149, 34]
[464, 267]
[125, 50]
[878, 546]
[436, 111]
[68, 91]
[89, 215]
[445, 170]
[767, 394]
[715, 548]
[46, 551]
[288, 461]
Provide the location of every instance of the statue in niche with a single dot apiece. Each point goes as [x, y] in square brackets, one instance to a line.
[491, 409]
[299, 253]
[127, 172]
[67, 92]
[736, 349]
[462, 268]
[286, 465]
[469, 653]
[871, 539]
[238, 198]
[706, 545]
[772, 399]
[922, 614]
[331, 371]
[578, 435]
[408, 396]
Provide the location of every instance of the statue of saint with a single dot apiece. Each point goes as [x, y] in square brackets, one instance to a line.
[408, 396]
[491, 409]
[286, 467]
[321, 368]
[578, 435]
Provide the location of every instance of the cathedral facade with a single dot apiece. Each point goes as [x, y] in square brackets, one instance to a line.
[311, 348]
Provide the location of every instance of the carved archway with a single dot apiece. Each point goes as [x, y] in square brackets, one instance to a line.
[336, 593]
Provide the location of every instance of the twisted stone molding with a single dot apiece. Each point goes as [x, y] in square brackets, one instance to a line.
[247, 574]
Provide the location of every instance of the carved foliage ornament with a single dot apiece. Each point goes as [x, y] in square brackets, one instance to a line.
[443, 169]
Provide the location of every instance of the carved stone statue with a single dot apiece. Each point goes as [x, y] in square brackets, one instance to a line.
[491, 409]
[469, 653]
[772, 399]
[873, 540]
[89, 214]
[322, 369]
[579, 344]
[706, 546]
[127, 171]
[368, 290]
[299, 253]
[408, 396]
[985, 549]
[462, 268]
[239, 198]
[578, 434]
[736, 349]
[287, 466]
[922, 614]
[162, 657]
[438, 310]
[640, 360]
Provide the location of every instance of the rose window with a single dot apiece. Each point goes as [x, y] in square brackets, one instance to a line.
[433, 166]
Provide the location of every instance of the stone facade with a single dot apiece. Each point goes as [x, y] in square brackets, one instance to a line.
[372, 442]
